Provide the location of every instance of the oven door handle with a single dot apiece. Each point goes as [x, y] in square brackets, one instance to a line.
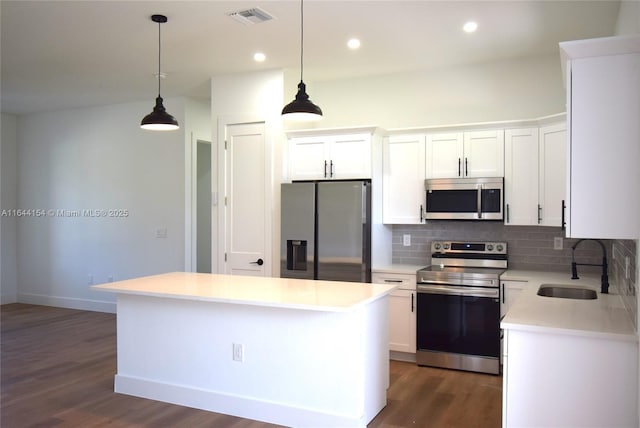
[459, 291]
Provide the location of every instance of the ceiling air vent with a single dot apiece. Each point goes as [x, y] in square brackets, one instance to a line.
[251, 16]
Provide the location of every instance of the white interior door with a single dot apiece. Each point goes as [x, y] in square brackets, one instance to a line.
[246, 183]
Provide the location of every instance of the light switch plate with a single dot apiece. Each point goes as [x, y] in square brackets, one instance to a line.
[406, 240]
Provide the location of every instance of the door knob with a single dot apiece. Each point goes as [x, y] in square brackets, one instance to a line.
[258, 262]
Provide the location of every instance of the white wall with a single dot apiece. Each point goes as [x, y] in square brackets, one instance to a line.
[253, 97]
[8, 201]
[98, 159]
[518, 89]
[628, 17]
[197, 127]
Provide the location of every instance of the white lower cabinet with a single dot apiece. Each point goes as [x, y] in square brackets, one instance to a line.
[553, 379]
[402, 311]
[510, 291]
[402, 321]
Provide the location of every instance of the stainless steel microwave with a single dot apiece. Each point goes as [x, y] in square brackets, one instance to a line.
[464, 198]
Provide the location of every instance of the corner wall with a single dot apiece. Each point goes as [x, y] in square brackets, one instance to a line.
[110, 192]
[628, 18]
[497, 91]
[8, 201]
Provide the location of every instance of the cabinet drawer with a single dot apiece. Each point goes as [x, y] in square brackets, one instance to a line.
[403, 280]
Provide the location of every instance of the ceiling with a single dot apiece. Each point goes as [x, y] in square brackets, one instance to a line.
[71, 54]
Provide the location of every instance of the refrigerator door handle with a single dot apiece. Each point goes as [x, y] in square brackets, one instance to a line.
[364, 204]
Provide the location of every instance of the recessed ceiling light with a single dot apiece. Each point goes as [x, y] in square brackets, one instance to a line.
[259, 57]
[353, 43]
[470, 27]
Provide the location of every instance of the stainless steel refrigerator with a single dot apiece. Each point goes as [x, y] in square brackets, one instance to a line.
[326, 230]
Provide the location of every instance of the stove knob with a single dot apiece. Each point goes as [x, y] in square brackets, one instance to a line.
[489, 247]
[499, 247]
[437, 246]
[446, 246]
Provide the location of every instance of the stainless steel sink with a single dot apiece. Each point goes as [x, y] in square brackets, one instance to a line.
[566, 292]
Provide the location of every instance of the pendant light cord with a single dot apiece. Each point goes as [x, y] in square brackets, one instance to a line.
[159, 47]
[301, 36]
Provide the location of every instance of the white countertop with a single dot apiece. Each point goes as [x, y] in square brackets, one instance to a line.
[398, 268]
[604, 317]
[334, 296]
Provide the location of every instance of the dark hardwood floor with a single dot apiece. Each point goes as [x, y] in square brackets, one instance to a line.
[58, 365]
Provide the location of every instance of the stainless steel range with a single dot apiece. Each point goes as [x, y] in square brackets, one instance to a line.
[458, 319]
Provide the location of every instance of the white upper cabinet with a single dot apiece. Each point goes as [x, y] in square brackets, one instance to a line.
[444, 155]
[521, 176]
[307, 157]
[484, 153]
[465, 154]
[327, 157]
[603, 89]
[535, 175]
[403, 166]
[553, 175]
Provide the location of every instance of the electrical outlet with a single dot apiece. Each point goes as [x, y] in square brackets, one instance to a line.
[406, 240]
[161, 232]
[558, 243]
[238, 352]
[110, 278]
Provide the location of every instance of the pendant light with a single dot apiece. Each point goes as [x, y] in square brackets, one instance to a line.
[301, 108]
[159, 119]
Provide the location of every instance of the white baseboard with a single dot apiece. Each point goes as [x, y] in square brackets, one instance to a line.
[67, 302]
[6, 299]
[235, 405]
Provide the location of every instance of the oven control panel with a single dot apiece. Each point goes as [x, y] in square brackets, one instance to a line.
[459, 247]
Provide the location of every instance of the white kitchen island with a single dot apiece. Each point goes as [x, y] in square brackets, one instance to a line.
[287, 351]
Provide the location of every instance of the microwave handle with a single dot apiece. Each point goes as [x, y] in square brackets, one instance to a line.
[479, 204]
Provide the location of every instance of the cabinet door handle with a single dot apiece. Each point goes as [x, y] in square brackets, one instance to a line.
[393, 280]
[507, 213]
[421, 216]
[325, 169]
[331, 170]
[459, 167]
[479, 200]
[503, 292]
[539, 214]
[258, 262]
[563, 223]
[412, 306]
[466, 167]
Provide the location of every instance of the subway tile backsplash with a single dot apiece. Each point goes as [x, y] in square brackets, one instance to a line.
[529, 248]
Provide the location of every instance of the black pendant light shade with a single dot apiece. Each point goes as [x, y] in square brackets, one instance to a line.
[301, 108]
[159, 119]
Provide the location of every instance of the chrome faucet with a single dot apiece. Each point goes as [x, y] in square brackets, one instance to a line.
[604, 279]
